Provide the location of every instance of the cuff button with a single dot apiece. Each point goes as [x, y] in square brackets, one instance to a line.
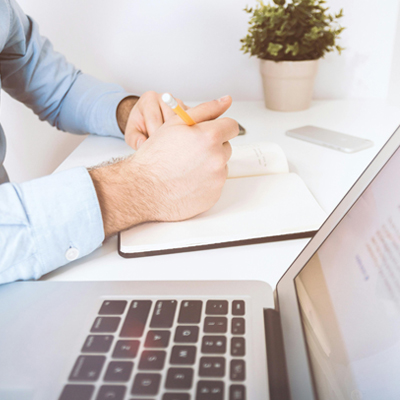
[72, 254]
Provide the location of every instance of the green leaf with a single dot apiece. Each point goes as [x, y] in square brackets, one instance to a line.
[292, 48]
[274, 48]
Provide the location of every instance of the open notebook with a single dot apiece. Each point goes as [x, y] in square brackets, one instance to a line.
[260, 202]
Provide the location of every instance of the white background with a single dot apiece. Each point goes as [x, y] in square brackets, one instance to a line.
[191, 49]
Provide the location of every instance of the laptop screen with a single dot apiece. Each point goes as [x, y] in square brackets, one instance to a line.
[349, 297]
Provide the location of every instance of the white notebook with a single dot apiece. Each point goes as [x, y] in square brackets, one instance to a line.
[260, 202]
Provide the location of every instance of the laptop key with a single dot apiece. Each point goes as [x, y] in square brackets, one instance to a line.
[179, 378]
[126, 349]
[113, 307]
[215, 325]
[217, 307]
[157, 339]
[238, 371]
[238, 326]
[152, 360]
[105, 324]
[212, 367]
[238, 307]
[108, 392]
[118, 371]
[183, 355]
[190, 312]
[87, 368]
[237, 392]
[77, 392]
[97, 344]
[146, 384]
[213, 344]
[186, 334]
[176, 396]
[238, 346]
[210, 390]
[136, 318]
[164, 313]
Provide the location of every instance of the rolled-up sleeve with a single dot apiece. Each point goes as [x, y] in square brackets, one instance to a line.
[46, 223]
[33, 73]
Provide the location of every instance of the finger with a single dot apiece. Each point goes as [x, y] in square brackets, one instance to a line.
[153, 117]
[135, 140]
[135, 132]
[182, 104]
[222, 129]
[227, 150]
[167, 112]
[210, 110]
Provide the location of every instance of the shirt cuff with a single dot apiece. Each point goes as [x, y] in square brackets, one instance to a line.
[64, 218]
[90, 106]
[106, 123]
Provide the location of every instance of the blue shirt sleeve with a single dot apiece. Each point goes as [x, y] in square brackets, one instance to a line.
[33, 73]
[47, 222]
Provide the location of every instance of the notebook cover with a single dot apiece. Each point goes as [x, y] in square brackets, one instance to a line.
[291, 236]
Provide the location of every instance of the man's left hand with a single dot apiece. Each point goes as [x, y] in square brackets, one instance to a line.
[148, 113]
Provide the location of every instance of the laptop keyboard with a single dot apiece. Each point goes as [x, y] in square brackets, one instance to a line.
[165, 349]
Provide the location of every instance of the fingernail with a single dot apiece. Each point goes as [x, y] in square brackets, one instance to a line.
[139, 143]
[223, 98]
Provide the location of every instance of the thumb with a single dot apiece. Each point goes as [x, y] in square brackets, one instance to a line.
[210, 110]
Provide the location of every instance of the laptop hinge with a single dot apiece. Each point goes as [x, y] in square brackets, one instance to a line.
[276, 361]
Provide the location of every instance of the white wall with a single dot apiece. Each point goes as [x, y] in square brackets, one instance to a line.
[190, 48]
[394, 84]
[363, 69]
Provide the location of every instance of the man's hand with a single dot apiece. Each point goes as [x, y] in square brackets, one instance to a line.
[178, 173]
[139, 118]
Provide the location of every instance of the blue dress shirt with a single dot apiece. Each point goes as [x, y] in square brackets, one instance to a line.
[47, 222]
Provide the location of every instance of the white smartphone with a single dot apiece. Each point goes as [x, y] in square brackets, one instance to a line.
[334, 140]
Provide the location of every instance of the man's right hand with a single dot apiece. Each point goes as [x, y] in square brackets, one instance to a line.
[177, 173]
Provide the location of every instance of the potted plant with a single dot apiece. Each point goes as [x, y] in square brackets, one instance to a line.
[289, 39]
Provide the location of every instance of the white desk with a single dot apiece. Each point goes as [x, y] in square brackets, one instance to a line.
[329, 174]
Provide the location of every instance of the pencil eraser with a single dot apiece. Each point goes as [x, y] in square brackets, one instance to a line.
[169, 100]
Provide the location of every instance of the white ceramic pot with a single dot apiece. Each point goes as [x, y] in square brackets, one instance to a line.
[288, 85]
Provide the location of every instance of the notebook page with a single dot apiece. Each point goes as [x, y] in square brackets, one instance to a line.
[253, 207]
[261, 158]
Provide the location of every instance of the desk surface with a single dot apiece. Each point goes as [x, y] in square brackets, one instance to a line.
[328, 173]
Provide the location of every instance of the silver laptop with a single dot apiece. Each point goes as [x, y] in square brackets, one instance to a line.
[332, 331]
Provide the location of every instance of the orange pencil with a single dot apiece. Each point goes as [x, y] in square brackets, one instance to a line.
[171, 102]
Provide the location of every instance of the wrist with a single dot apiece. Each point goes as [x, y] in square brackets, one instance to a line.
[121, 202]
[123, 110]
